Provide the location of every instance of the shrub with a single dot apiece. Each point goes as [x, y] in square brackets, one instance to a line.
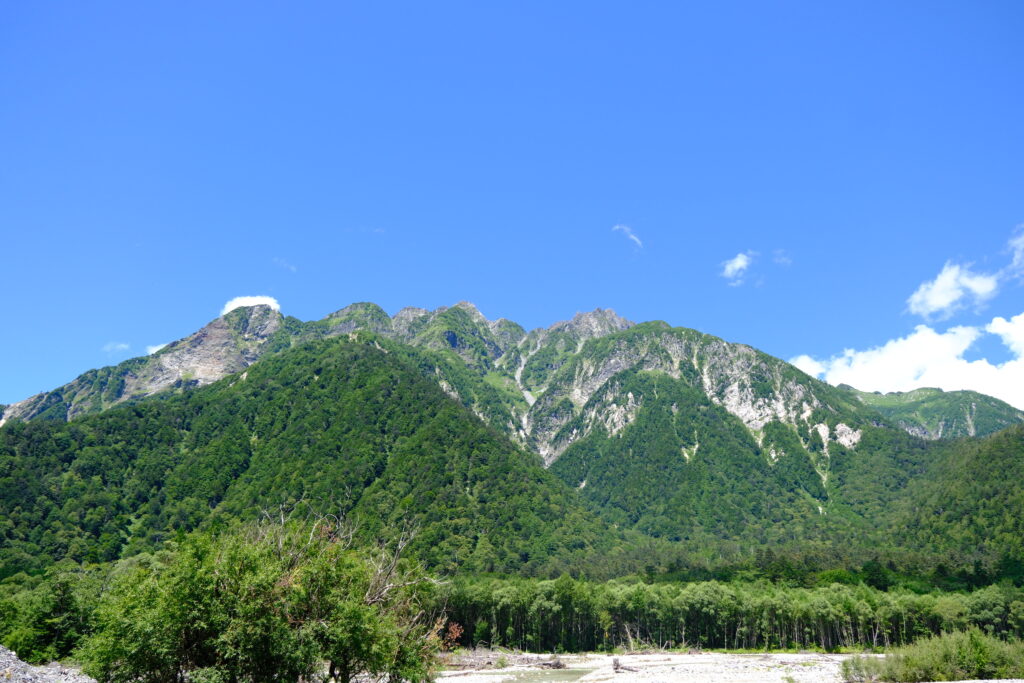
[948, 657]
[265, 603]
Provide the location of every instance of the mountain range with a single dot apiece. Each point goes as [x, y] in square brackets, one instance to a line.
[594, 443]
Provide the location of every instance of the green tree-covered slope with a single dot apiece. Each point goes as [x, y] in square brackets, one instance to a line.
[710, 449]
[970, 506]
[344, 426]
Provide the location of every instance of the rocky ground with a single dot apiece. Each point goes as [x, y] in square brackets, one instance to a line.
[702, 667]
[13, 669]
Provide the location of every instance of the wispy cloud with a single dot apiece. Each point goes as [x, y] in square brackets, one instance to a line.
[954, 287]
[150, 350]
[735, 268]
[781, 258]
[284, 265]
[240, 301]
[1016, 244]
[628, 232]
[116, 347]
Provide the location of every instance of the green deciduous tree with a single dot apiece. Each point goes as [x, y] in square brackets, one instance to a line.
[268, 602]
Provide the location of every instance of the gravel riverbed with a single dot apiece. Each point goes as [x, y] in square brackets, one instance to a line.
[703, 667]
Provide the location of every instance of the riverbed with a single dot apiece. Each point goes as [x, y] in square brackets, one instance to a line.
[701, 667]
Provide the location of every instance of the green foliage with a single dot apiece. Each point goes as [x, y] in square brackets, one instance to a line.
[947, 657]
[968, 506]
[265, 603]
[43, 618]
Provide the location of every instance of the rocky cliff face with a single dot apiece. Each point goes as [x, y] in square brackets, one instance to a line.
[755, 387]
[226, 345]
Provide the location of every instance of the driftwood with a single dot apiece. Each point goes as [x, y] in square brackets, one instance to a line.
[554, 664]
[617, 666]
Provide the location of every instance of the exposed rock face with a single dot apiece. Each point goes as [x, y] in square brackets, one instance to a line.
[756, 388]
[408, 320]
[597, 323]
[226, 345]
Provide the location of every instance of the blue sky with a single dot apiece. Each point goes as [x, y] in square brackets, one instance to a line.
[159, 159]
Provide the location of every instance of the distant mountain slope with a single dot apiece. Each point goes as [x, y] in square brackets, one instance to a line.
[937, 414]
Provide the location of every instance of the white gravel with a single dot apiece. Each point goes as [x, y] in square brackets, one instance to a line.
[677, 668]
[705, 667]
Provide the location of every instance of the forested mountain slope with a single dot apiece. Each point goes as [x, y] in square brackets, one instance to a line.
[343, 426]
[971, 505]
[711, 450]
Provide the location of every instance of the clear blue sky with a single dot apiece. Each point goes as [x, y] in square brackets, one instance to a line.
[158, 159]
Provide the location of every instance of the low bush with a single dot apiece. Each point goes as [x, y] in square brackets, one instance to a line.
[949, 657]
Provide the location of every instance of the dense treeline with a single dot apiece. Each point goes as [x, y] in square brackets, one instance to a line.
[576, 615]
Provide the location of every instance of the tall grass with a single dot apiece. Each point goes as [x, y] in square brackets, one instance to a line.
[949, 657]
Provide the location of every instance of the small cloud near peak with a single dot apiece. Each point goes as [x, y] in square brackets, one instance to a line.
[735, 268]
[150, 350]
[116, 347]
[628, 232]
[240, 301]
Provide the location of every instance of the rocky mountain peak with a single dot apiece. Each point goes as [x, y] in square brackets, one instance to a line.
[227, 344]
[408, 320]
[473, 311]
[252, 322]
[596, 323]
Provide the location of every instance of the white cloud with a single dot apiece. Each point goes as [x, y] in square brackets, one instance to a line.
[628, 232]
[1012, 332]
[928, 358]
[808, 365]
[781, 257]
[949, 291]
[239, 301]
[116, 347]
[150, 350]
[734, 269]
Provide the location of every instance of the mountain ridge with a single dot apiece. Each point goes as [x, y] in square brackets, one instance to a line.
[535, 365]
